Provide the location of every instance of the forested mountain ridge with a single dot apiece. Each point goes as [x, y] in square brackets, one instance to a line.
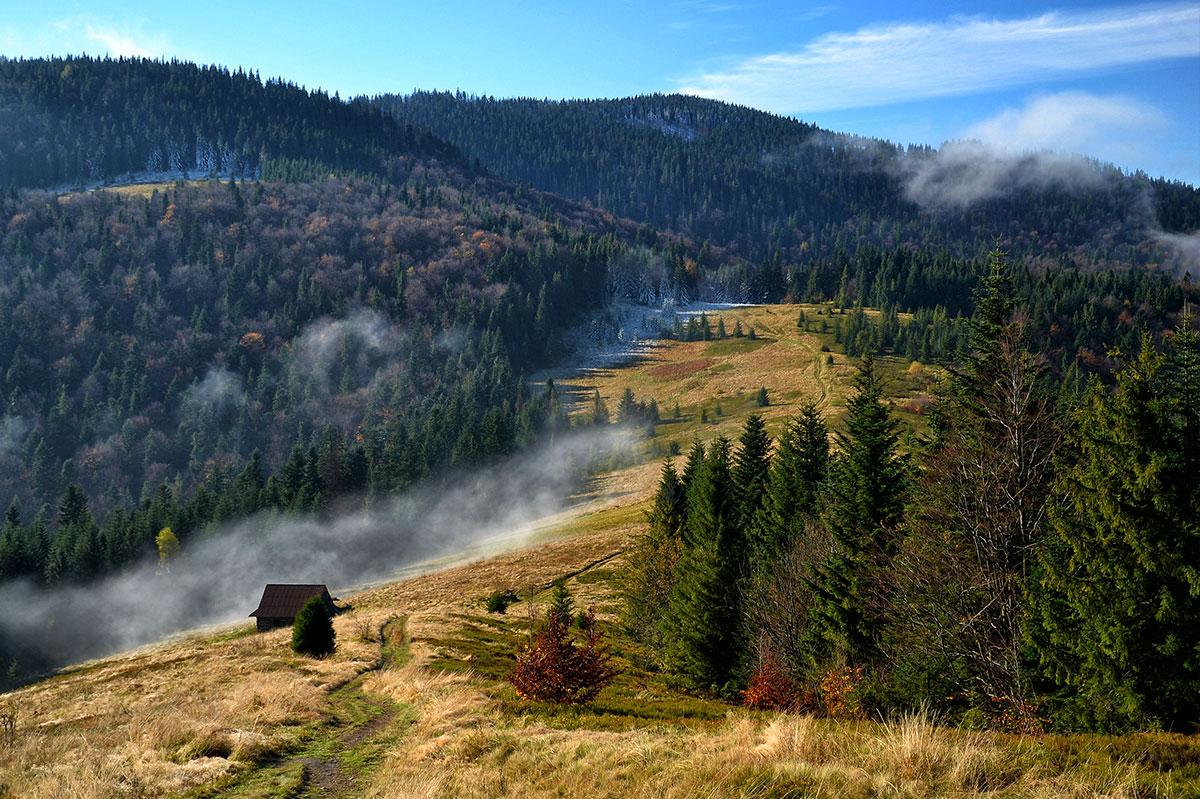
[777, 189]
[356, 320]
[78, 121]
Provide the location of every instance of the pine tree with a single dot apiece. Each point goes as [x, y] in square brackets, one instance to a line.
[695, 459]
[798, 472]
[867, 494]
[650, 572]
[979, 510]
[627, 407]
[751, 470]
[1119, 593]
[312, 631]
[561, 601]
[702, 631]
[599, 409]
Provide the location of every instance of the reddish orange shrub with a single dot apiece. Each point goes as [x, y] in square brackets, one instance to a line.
[554, 669]
[771, 688]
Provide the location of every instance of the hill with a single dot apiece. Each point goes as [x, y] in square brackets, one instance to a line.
[349, 310]
[415, 702]
[86, 121]
[787, 194]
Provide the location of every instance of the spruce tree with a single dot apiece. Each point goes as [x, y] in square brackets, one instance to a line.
[798, 471]
[867, 493]
[702, 631]
[599, 409]
[691, 466]
[562, 604]
[651, 569]
[1119, 593]
[312, 631]
[751, 470]
[979, 512]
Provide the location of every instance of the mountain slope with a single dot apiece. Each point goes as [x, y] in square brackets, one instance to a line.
[415, 702]
[182, 355]
[72, 121]
[773, 187]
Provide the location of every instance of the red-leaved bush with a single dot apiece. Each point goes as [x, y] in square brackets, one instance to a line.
[771, 688]
[556, 669]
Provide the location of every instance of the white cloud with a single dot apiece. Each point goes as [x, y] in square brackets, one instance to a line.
[1034, 146]
[908, 61]
[1072, 122]
[124, 43]
[1184, 249]
[84, 33]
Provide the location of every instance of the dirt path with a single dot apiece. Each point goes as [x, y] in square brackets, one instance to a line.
[339, 757]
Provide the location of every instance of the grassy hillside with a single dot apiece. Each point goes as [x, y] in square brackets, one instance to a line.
[414, 703]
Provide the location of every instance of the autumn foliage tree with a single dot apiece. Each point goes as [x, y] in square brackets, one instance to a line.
[554, 668]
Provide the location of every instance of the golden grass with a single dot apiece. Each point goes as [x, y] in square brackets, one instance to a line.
[185, 713]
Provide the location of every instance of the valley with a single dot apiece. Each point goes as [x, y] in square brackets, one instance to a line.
[415, 703]
[654, 446]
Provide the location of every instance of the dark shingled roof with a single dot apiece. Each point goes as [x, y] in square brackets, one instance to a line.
[284, 600]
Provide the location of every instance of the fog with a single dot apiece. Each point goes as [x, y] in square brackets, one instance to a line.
[963, 173]
[219, 576]
[1184, 249]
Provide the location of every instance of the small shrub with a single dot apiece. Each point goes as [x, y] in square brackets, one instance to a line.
[841, 690]
[771, 688]
[554, 669]
[364, 630]
[762, 399]
[499, 601]
[312, 632]
[1003, 714]
[824, 348]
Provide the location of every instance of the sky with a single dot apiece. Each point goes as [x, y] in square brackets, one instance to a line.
[1119, 82]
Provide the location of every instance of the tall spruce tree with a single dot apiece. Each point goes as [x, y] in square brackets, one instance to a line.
[1119, 594]
[695, 459]
[751, 470]
[867, 494]
[798, 470]
[650, 572]
[702, 631]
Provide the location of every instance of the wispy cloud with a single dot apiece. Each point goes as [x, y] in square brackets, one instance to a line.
[909, 61]
[84, 33]
[1034, 146]
[119, 42]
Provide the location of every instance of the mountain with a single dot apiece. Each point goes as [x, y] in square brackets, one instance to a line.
[68, 122]
[182, 353]
[772, 187]
[318, 303]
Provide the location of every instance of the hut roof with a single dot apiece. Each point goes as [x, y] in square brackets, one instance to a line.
[280, 600]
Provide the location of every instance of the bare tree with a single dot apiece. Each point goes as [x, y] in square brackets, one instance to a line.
[961, 577]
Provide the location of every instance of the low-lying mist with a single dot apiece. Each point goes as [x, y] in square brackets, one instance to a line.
[219, 576]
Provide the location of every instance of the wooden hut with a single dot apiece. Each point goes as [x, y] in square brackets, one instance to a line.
[282, 601]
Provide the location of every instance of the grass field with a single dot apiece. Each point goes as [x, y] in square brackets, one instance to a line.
[414, 703]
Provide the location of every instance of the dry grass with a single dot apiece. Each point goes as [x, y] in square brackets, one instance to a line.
[464, 749]
[185, 713]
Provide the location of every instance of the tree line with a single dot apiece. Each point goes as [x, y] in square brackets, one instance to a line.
[82, 120]
[1029, 564]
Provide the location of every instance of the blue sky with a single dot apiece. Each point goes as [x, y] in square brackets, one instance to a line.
[1117, 81]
